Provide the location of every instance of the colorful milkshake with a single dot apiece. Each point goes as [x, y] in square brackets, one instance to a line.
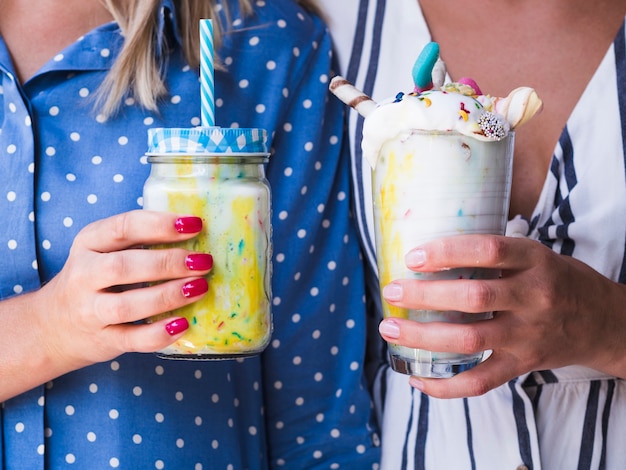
[441, 158]
[225, 185]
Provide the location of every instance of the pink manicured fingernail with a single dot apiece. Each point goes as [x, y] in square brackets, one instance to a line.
[176, 326]
[415, 258]
[416, 383]
[195, 287]
[188, 224]
[199, 261]
[392, 291]
[389, 328]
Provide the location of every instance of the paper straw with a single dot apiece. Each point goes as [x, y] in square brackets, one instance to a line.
[207, 83]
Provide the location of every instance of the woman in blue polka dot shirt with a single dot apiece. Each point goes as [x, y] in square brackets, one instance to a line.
[79, 384]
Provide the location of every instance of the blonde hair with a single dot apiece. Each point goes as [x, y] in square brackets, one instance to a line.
[137, 71]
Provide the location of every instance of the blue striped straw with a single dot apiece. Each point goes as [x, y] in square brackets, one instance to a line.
[207, 52]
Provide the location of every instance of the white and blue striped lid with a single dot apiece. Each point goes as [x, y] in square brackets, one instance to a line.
[207, 140]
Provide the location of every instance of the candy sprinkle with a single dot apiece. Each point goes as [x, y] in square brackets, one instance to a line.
[492, 125]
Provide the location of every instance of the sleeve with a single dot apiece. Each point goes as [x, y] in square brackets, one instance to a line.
[318, 408]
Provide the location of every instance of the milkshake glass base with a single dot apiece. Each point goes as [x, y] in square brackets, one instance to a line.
[433, 369]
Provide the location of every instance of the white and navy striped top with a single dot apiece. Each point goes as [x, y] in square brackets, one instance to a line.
[568, 418]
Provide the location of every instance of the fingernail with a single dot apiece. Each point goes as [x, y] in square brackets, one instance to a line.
[195, 287]
[177, 326]
[199, 261]
[389, 328]
[392, 291]
[188, 224]
[416, 383]
[415, 258]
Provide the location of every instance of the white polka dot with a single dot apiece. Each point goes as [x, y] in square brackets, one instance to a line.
[159, 418]
[12, 107]
[308, 146]
[45, 196]
[123, 140]
[198, 421]
[105, 52]
[93, 388]
[70, 177]
[254, 41]
[58, 58]
[323, 78]
[215, 398]
[354, 366]
[286, 92]
[299, 401]
[301, 233]
[114, 414]
[11, 196]
[252, 431]
[271, 65]
[69, 410]
[179, 396]
[92, 199]
[278, 385]
[46, 244]
[295, 318]
[137, 391]
[281, 23]
[175, 99]
[244, 84]
[332, 265]
[287, 127]
[317, 454]
[101, 118]
[18, 289]
[27, 121]
[180, 443]
[114, 462]
[314, 292]
[334, 140]
[260, 108]
[51, 151]
[11, 149]
[350, 324]
[137, 439]
[307, 104]
[83, 92]
[91, 437]
[296, 52]
[41, 449]
[70, 458]
[118, 178]
[19, 427]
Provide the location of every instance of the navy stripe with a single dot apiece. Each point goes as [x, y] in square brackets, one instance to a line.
[620, 65]
[565, 209]
[523, 435]
[422, 433]
[368, 87]
[606, 414]
[405, 448]
[589, 426]
[548, 376]
[470, 438]
[568, 160]
[357, 42]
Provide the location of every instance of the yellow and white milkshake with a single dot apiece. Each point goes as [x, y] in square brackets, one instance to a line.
[226, 187]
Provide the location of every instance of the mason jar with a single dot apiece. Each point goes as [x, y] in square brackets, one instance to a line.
[218, 174]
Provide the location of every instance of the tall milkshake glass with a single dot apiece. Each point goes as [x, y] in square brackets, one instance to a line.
[431, 184]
